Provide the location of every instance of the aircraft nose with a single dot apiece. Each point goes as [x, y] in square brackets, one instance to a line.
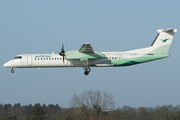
[7, 64]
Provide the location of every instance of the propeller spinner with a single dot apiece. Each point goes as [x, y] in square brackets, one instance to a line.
[62, 53]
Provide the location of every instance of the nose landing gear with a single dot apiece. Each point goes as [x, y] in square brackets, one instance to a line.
[12, 70]
[87, 70]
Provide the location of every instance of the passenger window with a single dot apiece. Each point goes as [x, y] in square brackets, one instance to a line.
[49, 58]
[109, 57]
[57, 58]
[46, 58]
[54, 58]
[38, 58]
[35, 58]
[115, 58]
[112, 57]
[41, 58]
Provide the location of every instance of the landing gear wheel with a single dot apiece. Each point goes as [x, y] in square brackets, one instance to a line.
[86, 73]
[87, 70]
[12, 71]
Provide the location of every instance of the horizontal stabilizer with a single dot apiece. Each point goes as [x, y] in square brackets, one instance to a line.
[167, 30]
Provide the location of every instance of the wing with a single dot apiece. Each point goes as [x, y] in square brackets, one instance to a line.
[85, 53]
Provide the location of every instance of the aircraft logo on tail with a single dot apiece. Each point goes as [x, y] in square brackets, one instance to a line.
[164, 40]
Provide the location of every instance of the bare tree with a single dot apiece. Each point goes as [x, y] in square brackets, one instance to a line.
[92, 104]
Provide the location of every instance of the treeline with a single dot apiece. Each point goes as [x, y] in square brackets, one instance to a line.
[55, 112]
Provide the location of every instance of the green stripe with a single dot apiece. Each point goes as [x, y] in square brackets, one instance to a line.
[163, 49]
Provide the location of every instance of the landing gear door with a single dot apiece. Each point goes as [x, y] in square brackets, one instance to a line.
[119, 58]
[29, 60]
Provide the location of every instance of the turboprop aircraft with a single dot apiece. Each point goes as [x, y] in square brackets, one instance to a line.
[86, 57]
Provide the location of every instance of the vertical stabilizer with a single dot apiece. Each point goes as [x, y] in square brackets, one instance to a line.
[163, 41]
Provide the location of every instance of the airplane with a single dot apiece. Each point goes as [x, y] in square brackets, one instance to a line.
[86, 57]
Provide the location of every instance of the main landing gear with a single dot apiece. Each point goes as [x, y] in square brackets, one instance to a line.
[87, 70]
[12, 70]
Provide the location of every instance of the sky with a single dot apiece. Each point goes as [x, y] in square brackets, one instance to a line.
[37, 27]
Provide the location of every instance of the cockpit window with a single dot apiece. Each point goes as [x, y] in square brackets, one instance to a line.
[18, 57]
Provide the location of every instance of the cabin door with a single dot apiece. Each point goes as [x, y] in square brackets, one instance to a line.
[29, 60]
[119, 58]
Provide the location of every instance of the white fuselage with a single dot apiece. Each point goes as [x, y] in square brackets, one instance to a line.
[55, 60]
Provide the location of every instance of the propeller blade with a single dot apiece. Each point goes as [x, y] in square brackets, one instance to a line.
[62, 49]
[62, 53]
[63, 59]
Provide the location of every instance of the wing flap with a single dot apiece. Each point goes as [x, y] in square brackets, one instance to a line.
[104, 65]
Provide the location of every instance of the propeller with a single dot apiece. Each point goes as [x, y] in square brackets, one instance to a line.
[62, 53]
